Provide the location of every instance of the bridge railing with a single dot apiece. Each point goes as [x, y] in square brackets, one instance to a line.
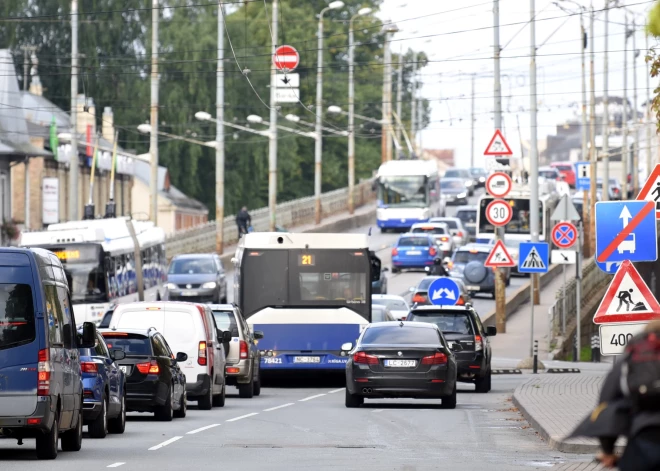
[289, 215]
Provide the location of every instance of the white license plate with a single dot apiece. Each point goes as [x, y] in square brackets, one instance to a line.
[189, 293]
[125, 368]
[307, 359]
[400, 363]
[473, 288]
[413, 252]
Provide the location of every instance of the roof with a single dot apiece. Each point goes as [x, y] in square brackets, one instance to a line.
[144, 332]
[165, 188]
[474, 246]
[288, 240]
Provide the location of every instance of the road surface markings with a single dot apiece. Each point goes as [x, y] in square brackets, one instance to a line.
[115, 465]
[243, 417]
[279, 407]
[165, 443]
[193, 432]
[336, 390]
[311, 397]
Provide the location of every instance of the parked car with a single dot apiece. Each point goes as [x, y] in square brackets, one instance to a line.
[197, 278]
[420, 293]
[440, 233]
[243, 360]
[154, 380]
[401, 359]
[381, 313]
[468, 264]
[413, 251]
[396, 304]
[468, 217]
[567, 170]
[463, 174]
[380, 286]
[550, 173]
[615, 192]
[458, 232]
[453, 191]
[191, 329]
[462, 325]
[480, 175]
[41, 393]
[104, 389]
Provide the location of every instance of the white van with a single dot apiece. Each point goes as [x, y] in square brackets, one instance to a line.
[188, 328]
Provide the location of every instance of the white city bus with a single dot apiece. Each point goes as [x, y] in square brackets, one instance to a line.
[99, 259]
[408, 193]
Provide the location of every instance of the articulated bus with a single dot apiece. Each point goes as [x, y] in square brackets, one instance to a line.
[102, 263]
[408, 193]
[308, 293]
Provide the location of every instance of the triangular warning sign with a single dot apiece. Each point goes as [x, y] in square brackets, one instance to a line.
[628, 299]
[651, 189]
[499, 257]
[533, 260]
[498, 145]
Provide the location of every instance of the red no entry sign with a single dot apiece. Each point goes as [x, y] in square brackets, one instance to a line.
[286, 58]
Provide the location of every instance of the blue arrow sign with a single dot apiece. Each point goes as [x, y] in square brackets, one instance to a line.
[582, 175]
[533, 257]
[626, 230]
[444, 292]
[609, 267]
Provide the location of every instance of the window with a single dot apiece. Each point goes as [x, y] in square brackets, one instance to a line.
[457, 173]
[466, 256]
[160, 350]
[17, 323]
[100, 350]
[392, 304]
[332, 286]
[69, 326]
[447, 322]
[225, 320]
[426, 282]
[379, 314]
[403, 191]
[400, 335]
[467, 215]
[429, 230]
[54, 314]
[451, 223]
[452, 185]
[413, 242]
[131, 344]
[193, 266]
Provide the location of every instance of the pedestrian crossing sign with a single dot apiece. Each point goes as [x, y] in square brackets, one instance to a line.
[499, 257]
[533, 257]
[651, 190]
[628, 299]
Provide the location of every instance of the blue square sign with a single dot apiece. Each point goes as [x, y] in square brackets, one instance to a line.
[582, 175]
[626, 230]
[533, 257]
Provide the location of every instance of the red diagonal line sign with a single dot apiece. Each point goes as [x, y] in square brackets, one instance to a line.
[564, 234]
[626, 231]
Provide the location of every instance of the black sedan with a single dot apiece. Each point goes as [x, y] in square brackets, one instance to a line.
[401, 359]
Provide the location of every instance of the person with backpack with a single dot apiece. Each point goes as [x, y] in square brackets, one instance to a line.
[629, 406]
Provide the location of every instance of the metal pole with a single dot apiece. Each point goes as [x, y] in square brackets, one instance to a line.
[606, 114]
[318, 144]
[220, 135]
[472, 124]
[73, 163]
[578, 290]
[497, 51]
[533, 158]
[413, 106]
[500, 284]
[153, 144]
[624, 124]
[647, 121]
[563, 314]
[592, 135]
[386, 145]
[27, 194]
[635, 172]
[272, 131]
[26, 65]
[399, 92]
[351, 121]
[585, 201]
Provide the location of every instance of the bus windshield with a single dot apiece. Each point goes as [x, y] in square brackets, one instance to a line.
[403, 191]
[305, 278]
[519, 224]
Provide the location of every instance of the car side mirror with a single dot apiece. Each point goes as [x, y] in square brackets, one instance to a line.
[258, 335]
[181, 357]
[226, 336]
[347, 347]
[456, 347]
[491, 331]
[88, 337]
[117, 354]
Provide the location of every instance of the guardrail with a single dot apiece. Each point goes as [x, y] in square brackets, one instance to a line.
[293, 213]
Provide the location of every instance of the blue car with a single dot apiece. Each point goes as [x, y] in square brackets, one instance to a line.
[413, 251]
[104, 389]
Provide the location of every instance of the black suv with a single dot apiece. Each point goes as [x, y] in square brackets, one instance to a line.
[154, 380]
[462, 325]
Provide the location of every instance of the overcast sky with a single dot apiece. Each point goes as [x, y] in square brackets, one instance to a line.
[458, 37]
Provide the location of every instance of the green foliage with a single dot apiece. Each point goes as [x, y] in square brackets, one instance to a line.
[116, 66]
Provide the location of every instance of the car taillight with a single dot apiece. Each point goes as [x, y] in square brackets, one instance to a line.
[432, 251]
[89, 367]
[201, 353]
[404, 318]
[459, 233]
[365, 359]
[43, 372]
[419, 298]
[395, 252]
[244, 349]
[436, 359]
[478, 343]
[616, 190]
[149, 368]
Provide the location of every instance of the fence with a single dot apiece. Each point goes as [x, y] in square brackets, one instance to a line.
[290, 214]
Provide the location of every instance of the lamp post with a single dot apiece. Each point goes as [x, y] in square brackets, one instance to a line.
[386, 150]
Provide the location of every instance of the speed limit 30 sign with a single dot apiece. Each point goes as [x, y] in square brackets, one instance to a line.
[615, 337]
[499, 213]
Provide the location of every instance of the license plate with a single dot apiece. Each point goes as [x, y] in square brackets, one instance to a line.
[307, 359]
[125, 368]
[473, 288]
[400, 363]
[413, 252]
[189, 293]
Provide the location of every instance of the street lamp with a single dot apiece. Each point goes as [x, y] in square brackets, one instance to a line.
[318, 147]
[389, 28]
[293, 118]
[253, 118]
[296, 119]
[204, 116]
[351, 110]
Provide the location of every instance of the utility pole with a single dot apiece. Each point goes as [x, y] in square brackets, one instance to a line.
[497, 51]
[472, 124]
[386, 143]
[26, 64]
[648, 121]
[635, 171]
[220, 135]
[153, 137]
[73, 163]
[272, 131]
[624, 123]
[606, 113]
[318, 142]
[583, 46]
[533, 160]
[593, 157]
[399, 91]
[413, 106]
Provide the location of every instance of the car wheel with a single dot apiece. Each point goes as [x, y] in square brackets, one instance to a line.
[206, 401]
[118, 424]
[219, 400]
[353, 400]
[182, 411]
[449, 402]
[246, 391]
[164, 413]
[257, 384]
[48, 442]
[482, 385]
[72, 439]
[99, 428]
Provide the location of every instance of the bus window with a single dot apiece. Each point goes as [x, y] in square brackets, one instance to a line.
[407, 191]
[519, 221]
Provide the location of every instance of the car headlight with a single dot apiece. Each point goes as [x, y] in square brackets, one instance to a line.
[171, 286]
[461, 195]
[209, 285]
[468, 183]
[482, 179]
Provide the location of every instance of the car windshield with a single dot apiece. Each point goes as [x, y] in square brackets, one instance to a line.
[413, 242]
[467, 256]
[452, 184]
[457, 174]
[193, 266]
[225, 320]
[131, 344]
[564, 168]
[451, 223]
[447, 322]
[467, 215]
[393, 304]
[395, 334]
[17, 323]
[477, 172]
[86, 281]
[426, 282]
[404, 191]
[549, 174]
[429, 230]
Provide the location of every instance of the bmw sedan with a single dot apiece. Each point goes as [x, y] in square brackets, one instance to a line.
[401, 360]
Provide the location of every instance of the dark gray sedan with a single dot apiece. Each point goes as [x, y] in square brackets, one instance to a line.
[197, 278]
[453, 191]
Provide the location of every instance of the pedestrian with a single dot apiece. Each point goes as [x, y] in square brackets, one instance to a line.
[438, 268]
[243, 221]
[630, 406]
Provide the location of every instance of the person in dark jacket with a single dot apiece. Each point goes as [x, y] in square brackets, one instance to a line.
[438, 268]
[243, 221]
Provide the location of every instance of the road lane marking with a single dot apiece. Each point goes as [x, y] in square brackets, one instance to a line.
[115, 465]
[336, 390]
[279, 407]
[243, 417]
[165, 443]
[311, 397]
[192, 432]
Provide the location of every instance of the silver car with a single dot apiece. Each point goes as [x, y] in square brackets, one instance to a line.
[440, 233]
[396, 304]
[456, 229]
[196, 278]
